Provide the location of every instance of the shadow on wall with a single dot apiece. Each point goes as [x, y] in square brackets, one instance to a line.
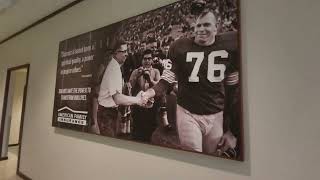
[231, 166]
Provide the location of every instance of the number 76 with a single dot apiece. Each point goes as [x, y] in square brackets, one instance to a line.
[212, 67]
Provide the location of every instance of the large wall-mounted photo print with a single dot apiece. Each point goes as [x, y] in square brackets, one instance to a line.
[168, 77]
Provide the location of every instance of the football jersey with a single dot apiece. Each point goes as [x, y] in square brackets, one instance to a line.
[202, 73]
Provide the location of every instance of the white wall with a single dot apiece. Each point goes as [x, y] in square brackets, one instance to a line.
[280, 45]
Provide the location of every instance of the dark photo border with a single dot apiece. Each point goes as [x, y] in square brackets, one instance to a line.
[84, 59]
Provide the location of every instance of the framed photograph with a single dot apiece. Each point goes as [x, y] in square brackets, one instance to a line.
[169, 77]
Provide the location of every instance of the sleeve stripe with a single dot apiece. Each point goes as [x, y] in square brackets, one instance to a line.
[168, 72]
[235, 74]
[232, 79]
[168, 76]
[234, 82]
[171, 77]
[169, 80]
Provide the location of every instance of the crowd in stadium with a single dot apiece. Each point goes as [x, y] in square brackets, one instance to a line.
[173, 22]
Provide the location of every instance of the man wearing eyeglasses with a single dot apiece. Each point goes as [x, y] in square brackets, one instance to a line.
[110, 93]
[141, 79]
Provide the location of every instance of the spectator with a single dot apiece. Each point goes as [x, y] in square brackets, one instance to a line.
[143, 78]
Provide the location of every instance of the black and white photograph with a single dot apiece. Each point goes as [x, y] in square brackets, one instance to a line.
[169, 77]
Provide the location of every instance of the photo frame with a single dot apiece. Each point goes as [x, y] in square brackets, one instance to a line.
[169, 77]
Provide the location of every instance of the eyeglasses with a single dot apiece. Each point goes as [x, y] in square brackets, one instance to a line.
[125, 51]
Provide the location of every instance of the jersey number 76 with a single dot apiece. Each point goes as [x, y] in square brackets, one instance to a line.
[212, 67]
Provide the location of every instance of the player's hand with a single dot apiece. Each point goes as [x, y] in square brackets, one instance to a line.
[227, 141]
[149, 103]
[141, 100]
[148, 94]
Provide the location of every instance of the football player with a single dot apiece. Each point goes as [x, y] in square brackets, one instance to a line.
[204, 66]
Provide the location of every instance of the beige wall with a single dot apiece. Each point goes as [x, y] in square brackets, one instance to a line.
[19, 83]
[8, 116]
[280, 45]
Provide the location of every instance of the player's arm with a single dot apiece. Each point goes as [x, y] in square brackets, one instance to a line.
[231, 111]
[232, 98]
[167, 80]
[228, 141]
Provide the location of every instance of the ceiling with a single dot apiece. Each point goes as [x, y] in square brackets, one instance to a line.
[15, 15]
